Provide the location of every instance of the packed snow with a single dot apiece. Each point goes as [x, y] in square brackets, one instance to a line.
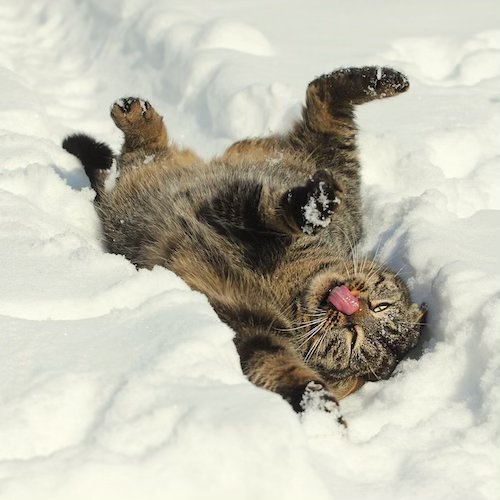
[122, 383]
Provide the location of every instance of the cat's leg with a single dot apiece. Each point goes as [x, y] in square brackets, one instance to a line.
[256, 149]
[327, 127]
[325, 137]
[271, 363]
[145, 133]
[327, 131]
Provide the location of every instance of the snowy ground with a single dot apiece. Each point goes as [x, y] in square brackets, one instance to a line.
[117, 383]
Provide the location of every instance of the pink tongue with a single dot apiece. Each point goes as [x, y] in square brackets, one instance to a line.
[343, 300]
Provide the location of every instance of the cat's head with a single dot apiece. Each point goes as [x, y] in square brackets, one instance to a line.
[370, 341]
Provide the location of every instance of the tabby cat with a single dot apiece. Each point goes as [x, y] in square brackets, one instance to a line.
[267, 232]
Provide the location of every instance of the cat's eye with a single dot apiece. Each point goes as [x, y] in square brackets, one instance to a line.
[381, 306]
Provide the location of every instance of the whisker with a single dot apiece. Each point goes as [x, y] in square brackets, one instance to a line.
[377, 250]
[347, 270]
[370, 368]
[303, 339]
[310, 332]
[411, 323]
[301, 326]
[376, 268]
[323, 337]
[363, 264]
[401, 269]
[351, 246]
[311, 350]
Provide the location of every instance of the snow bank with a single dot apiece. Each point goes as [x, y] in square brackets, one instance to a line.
[118, 383]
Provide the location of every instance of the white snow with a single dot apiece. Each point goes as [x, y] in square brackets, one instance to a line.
[312, 216]
[118, 383]
[316, 399]
[143, 105]
[315, 208]
[112, 176]
[148, 159]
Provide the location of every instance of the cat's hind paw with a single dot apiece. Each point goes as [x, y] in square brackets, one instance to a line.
[348, 86]
[129, 112]
[384, 82]
[142, 125]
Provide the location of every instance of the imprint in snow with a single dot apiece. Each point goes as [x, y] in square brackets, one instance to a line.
[148, 159]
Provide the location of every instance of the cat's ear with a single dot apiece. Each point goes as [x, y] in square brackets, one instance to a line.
[418, 312]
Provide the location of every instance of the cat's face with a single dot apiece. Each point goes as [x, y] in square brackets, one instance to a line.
[371, 341]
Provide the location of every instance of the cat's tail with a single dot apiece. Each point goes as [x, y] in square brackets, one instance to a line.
[96, 157]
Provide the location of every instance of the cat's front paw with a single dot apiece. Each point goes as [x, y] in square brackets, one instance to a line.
[312, 205]
[314, 396]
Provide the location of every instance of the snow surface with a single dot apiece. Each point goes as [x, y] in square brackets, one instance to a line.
[117, 383]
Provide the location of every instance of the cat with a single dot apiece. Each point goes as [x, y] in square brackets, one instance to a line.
[267, 231]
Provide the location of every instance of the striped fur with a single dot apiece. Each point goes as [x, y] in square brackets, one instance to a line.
[237, 229]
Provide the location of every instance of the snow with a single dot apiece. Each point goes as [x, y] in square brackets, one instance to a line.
[118, 383]
[317, 211]
[313, 214]
[113, 174]
[148, 159]
[316, 399]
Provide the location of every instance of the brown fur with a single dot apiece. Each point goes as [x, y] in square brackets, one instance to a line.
[236, 229]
